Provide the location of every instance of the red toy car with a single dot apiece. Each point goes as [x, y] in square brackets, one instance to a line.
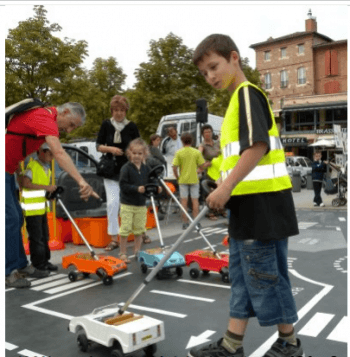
[105, 267]
[208, 261]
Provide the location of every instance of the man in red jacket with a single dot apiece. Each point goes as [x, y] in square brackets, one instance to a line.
[25, 133]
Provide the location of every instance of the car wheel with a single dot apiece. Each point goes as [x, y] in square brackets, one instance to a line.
[83, 342]
[107, 280]
[117, 353]
[179, 271]
[206, 272]
[303, 182]
[144, 268]
[336, 202]
[225, 277]
[72, 276]
[150, 350]
[194, 273]
[343, 201]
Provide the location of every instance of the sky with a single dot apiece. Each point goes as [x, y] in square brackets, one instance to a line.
[124, 29]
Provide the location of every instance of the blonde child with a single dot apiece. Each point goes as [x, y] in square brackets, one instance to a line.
[133, 210]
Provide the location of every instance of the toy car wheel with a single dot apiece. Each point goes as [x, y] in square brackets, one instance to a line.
[117, 353]
[107, 280]
[336, 202]
[72, 276]
[194, 273]
[343, 201]
[159, 276]
[179, 271]
[86, 275]
[150, 350]
[225, 277]
[206, 272]
[83, 342]
[144, 268]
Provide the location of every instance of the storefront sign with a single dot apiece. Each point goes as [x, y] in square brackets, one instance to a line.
[329, 131]
[294, 141]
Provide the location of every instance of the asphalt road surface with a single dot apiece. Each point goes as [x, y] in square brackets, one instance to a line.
[194, 311]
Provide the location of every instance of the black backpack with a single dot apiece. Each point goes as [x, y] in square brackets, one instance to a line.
[20, 107]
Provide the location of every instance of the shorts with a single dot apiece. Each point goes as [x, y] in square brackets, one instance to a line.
[260, 283]
[186, 190]
[133, 220]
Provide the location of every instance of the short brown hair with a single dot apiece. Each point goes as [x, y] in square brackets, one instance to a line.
[154, 137]
[187, 138]
[206, 127]
[317, 153]
[119, 101]
[222, 45]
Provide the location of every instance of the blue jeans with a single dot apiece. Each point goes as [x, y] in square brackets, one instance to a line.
[15, 256]
[260, 282]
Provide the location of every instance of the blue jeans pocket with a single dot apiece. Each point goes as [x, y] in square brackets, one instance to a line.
[260, 266]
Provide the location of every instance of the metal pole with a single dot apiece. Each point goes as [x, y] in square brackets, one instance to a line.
[159, 266]
[157, 222]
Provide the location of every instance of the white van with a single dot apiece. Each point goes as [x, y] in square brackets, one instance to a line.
[186, 122]
[90, 148]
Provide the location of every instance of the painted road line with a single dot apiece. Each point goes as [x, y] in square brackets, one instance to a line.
[45, 280]
[225, 230]
[157, 311]
[212, 230]
[9, 289]
[188, 240]
[53, 283]
[342, 219]
[32, 306]
[206, 284]
[208, 229]
[316, 324]
[341, 331]
[182, 296]
[28, 353]
[306, 225]
[10, 346]
[71, 285]
[301, 313]
[338, 228]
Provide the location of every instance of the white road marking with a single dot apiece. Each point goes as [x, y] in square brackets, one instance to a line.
[338, 228]
[301, 313]
[225, 230]
[28, 353]
[316, 324]
[50, 278]
[306, 225]
[212, 230]
[182, 296]
[9, 289]
[341, 331]
[201, 283]
[10, 346]
[158, 311]
[342, 219]
[69, 286]
[50, 285]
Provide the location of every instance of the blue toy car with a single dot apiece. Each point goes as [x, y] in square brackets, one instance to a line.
[151, 257]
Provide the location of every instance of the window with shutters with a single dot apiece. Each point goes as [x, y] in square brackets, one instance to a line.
[301, 75]
[284, 79]
[331, 63]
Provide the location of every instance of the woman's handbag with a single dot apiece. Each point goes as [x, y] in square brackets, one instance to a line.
[106, 167]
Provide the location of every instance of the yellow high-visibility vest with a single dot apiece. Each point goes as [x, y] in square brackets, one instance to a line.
[214, 169]
[34, 202]
[270, 174]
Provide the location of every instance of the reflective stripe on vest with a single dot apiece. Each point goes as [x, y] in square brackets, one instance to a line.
[34, 202]
[270, 174]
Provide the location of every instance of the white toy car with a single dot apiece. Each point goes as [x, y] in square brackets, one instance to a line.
[124, 333]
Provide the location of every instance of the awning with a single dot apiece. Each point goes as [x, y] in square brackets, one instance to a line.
[315, 106]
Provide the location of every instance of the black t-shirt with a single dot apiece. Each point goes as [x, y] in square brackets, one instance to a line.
[263, 216]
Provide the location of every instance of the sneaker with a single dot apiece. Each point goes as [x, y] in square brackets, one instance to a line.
[282, 348]
[31, 272]
[185, 226]
[49, 266]
[315, 204]
[215, 350]
[322, 204]
[15, 280]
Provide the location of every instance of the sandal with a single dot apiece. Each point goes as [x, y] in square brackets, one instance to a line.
[112, 245]
[212, 217]
[146, 239]
[125, 258]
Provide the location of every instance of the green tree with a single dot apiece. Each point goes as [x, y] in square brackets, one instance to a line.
[168, 83]
[37, 62]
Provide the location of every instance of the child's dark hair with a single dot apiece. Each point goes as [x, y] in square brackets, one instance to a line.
[206, 127]
[137, 142]
[187, 138]
[222, 45]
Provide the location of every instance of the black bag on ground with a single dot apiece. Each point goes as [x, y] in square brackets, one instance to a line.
[106, 167]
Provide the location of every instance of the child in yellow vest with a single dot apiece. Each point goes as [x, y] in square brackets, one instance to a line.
[35, 183]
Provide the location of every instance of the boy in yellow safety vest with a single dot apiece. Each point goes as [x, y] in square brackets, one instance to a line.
[256, 188]
[35, 183]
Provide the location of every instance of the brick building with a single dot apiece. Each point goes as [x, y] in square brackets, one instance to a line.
[305, 74]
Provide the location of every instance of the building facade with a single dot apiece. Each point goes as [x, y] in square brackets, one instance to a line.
[305, 74]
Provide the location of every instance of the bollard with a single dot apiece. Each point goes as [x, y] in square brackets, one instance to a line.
[309, 184]
[296, 181]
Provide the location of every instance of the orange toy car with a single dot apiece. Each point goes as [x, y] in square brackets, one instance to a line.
[105, 267]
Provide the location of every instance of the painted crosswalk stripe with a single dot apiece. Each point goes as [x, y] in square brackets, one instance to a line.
[306, 225]
[206, 284]
[10, 346]
[342, 219]
[191, 297]
[45, 280]
[28, 353]
[51, 284]
[341, 331]
[69, 286]
[212, 230]
[158, 311]
[316, 324]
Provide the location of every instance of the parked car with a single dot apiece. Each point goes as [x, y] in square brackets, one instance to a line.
[299, 163]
